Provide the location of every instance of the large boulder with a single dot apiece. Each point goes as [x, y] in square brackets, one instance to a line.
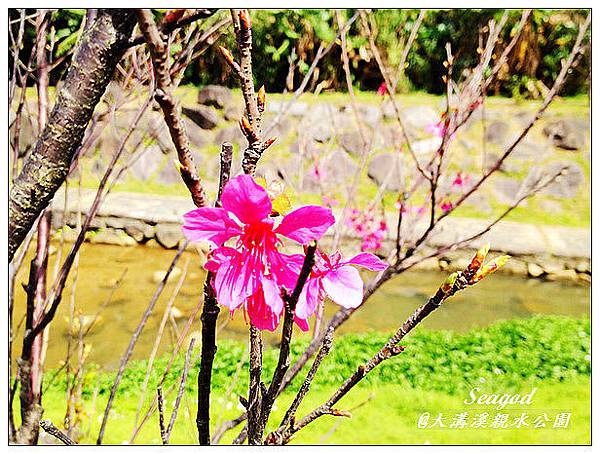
[417, 117]
[497, 132]
[386, 168]
[214, 95]
[566, 185]
[339, 168]
[203, 116]
[149, 161]
[352, 142]
[565, 134]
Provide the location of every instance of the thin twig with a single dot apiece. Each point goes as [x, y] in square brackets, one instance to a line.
[134, 338]
[186, 369]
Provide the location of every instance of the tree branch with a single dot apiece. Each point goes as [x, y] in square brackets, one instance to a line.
[98, 52]
[164, 97]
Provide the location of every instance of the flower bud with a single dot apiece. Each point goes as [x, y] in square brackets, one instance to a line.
[227, 55]
[491, 267]
[479, 257]
[262, 98]
[449, 283]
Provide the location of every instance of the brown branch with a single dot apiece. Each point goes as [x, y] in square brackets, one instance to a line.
[250, 123]
[452, 285]
[51, 429]
[286, 338]
[255, 388]
[558, 83]
[170, 27]
[288, 419]
[134, 339]
[186, 369]
[98, 52]
[164, 97]
[161, 416]
[210, 313]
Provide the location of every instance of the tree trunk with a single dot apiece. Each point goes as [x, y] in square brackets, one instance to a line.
[100, 48]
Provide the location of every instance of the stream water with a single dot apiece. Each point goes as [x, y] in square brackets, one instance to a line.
[100, 266]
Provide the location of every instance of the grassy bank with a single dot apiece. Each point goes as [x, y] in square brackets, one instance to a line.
[434, 375]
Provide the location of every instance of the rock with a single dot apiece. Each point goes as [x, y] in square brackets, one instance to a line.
[391, 136]
[386, 167]
[565, 134]
[418, 117]
[158, 276]
[168, 235]
[426, 145]
[169, 174]
[352, 142]
[566, 185]
[233, 112]
[297, 109]
[563, 275]
[214, 95]
[529, 151]
[534, 270]
[139, 230]
[111, 236]
[197, 136]
[203, 116]
[388, 110]
[551, 266]
[583, 267]
[149, 161]
[496, 132]
[232, 134]
[480, 201]
[490, 160]
[371, 115]
[506, 189]
[321, 131]
[339, 168]
[515, 266]
[305, 147]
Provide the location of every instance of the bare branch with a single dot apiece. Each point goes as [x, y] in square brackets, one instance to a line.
[51, 429]
[164, 97]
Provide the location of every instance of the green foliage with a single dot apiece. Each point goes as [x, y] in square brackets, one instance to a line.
[506, 355]
[290, 38]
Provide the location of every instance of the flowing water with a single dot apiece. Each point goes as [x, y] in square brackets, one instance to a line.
[100, 266]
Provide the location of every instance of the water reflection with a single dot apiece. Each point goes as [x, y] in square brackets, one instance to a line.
[502, 297]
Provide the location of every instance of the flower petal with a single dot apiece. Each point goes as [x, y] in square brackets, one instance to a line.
[246, 199]
[344, 286]
[302, 324]
[261, 315]
[309, 299]
[306, 223]
[209, 224]
[272, 295]
[218, 257]
[368, 261]
[286, 268]
[235, 281]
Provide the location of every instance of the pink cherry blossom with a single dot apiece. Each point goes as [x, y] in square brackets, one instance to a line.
[435, 129]
[250, 273]
[338, 279]
[446, 206]
[369, 227]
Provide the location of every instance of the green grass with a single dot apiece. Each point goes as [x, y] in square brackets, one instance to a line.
[386, 414]
[434, 374]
